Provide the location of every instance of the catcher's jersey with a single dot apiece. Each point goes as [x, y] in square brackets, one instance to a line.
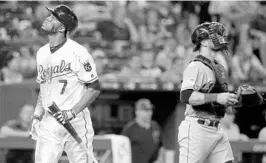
[62, 74]
[195, 76]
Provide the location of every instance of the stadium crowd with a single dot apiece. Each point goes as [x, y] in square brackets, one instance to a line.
[137, 41]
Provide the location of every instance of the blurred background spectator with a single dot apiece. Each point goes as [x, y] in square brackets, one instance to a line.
[148, 67]
[231, 129]
[144, 134]
[118, 30]
[131, 71]
[246, 65]
[19, 128]
[10, 72]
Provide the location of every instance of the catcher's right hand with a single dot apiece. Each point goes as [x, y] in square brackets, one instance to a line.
[227, 99]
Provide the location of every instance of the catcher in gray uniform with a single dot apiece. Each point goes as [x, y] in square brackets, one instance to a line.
[205, 91]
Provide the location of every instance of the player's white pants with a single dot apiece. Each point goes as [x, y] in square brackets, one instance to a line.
[53, 139]
[202, 144]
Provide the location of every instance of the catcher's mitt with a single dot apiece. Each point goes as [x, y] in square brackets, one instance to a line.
[249, 96]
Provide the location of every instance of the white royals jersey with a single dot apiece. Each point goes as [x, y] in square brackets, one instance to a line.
[62, 75]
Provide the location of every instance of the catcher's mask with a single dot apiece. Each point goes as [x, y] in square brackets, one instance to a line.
[213, 31]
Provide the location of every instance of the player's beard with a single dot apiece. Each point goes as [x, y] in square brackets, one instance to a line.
[147, 118]
[48, 31]
[224, 51]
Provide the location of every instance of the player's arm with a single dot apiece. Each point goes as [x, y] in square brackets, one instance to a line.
[87, 75]
[193, 79]
[93, 91]
[36, 117]
[195, 98]
[39, 110]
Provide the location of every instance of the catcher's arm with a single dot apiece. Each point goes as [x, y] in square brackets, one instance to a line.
[195, 92]
[198, 98]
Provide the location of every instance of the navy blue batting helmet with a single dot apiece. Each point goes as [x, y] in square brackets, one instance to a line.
[66, 16]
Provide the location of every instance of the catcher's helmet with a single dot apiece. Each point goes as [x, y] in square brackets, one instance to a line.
[209, 30]
[66, 16]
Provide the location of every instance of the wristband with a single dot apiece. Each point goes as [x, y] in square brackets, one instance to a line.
[36, 117]
[210, 97]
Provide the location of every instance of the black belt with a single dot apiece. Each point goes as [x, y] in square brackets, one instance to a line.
[208, 122]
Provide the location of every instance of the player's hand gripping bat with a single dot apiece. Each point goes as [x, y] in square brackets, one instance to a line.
[67, 125]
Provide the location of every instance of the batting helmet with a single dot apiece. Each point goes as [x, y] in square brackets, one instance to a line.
[210, 30]
[66, 16]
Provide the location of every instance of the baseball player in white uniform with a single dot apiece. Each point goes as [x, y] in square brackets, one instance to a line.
[204, 90]
[67, 76]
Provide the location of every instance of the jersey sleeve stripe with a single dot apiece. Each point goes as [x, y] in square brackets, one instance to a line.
[90, 81]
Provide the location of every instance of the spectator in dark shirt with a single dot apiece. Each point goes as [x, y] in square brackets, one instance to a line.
[144, 134]
[19, 128]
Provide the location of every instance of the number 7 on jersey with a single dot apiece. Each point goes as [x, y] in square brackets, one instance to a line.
[64, 86]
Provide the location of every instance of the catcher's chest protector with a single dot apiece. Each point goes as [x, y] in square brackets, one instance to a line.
[220, 85]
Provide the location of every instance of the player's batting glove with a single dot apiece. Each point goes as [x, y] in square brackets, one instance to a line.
[64, 116]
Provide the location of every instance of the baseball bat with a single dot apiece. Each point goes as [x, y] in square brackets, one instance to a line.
[54, 109]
